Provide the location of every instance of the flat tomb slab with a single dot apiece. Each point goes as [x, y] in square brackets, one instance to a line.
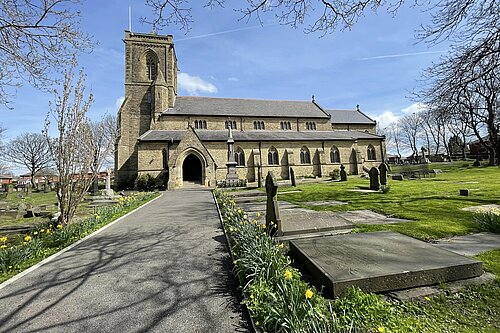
[294, 222]
[379, 261]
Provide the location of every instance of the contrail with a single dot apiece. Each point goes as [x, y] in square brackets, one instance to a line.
[226, 32]
[401, 55]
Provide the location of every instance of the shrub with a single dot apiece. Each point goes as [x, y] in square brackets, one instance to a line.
[335, 174]
[488, 219]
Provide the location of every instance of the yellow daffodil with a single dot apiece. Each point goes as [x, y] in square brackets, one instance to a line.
[35, 233]
[239, 211]
[381, 329]
[258, 215]
[257, 323]
[281, 245]
[263, 226]
[288, 275]
[257, 237]
[27, 238]
[309, 294]
[251, 296]
[3, 246]
[3, 239]
[59, 226]
[43, 230]
[427, 298]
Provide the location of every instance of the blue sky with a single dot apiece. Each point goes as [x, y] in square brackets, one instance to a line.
[374, 65]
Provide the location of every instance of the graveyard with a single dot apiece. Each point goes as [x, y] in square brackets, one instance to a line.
[414, 241]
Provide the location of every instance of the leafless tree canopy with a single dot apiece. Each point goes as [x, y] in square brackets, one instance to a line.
[29, 150]
[3, 166]
[74, 147]
[37, 40]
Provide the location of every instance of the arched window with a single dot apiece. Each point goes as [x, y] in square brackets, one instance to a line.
[285, 125]
[234, 124]
[196, 124]
[334, 155]
[200, 124]
[151, 66]
[272, 156]
[282, 126]
[288, 125]
[305, 156]
[239, 156]
[258, 125]
[370, 152]
[204, 124]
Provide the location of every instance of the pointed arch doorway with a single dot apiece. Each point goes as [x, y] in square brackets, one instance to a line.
[192, 169]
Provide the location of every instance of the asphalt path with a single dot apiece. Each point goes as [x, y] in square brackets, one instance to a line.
[164, 268]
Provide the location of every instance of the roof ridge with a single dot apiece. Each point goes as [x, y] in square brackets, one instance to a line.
[247, 99]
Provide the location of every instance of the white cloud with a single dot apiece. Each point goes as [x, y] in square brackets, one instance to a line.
[414, 108]
[195, 84]
[119, 102]
[233, 79]
[385, 119]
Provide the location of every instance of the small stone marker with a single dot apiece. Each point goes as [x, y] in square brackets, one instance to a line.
[292, 177]
[343, 173]
[476, 162]
[272, 210]
[374, 179]
[397, 177]
[464, 192]
[383, 173]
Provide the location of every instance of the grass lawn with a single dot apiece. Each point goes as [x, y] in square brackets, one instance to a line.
[38, 199]
[434, 204]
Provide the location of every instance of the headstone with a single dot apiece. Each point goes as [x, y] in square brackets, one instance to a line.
[476, 162]
[374, 179]
[109, 191]
[343, 173]
[383, 173]
[464, 192]
[292, 177]
[272, 210]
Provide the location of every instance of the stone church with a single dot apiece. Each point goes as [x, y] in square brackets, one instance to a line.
[209, 140]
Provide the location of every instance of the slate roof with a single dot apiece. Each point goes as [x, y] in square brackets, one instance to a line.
[349, 117]
[209, 106]
[222, 135]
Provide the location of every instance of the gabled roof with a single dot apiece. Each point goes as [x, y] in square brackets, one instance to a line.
[235, 107]
[349, 117]
[222, 135]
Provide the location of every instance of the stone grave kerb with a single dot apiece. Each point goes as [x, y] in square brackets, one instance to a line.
[273, 221]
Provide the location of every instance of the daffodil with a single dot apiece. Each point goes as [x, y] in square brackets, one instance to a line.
[35, 233]
[427, 298]
[281, 245]
[288, 275]
[381, 329]
[27, 238]
[59, 226]
[309, 294]
[3, 246]
[3, 239]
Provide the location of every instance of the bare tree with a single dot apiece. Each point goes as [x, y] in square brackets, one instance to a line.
[38, 38]
[29, 150]
[410, 126]
[73, 149]
[104, 134]
[3, 167]
[393, 134]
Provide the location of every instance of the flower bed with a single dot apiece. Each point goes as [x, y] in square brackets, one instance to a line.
[488, 219]
[277, 298]
[22, 251]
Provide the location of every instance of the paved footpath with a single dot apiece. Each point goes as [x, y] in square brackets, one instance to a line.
[164, 268]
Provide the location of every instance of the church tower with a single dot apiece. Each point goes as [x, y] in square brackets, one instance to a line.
[150, 89]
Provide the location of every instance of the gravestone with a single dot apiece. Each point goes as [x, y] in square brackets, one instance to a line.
[343, 173]
[292, 177]
[272, 210]
[383, 173]
[397, 177]
[374, 179]
[476, 162]
[464, 193]
[109, 191]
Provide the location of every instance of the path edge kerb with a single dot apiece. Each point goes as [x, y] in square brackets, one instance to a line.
[57, 254]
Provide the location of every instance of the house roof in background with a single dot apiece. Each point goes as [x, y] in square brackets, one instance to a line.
[235, 107]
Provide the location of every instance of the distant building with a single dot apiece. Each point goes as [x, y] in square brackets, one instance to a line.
[185, 138]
